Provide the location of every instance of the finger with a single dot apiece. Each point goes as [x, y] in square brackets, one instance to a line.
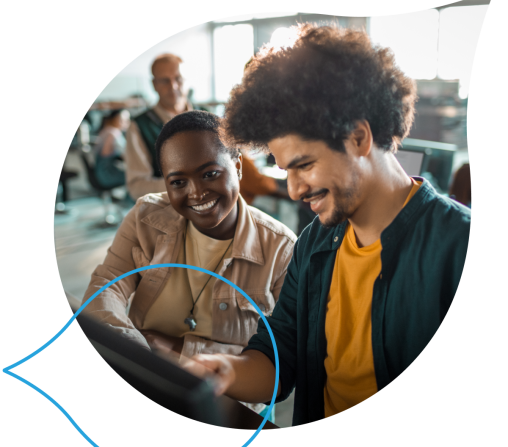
[210, 367]
[220, 385]
[196, 368]
[209, 361]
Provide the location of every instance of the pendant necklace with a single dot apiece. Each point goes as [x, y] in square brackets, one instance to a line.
[191, 320]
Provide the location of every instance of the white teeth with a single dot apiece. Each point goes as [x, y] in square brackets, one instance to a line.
[205, 206]
[316, 200]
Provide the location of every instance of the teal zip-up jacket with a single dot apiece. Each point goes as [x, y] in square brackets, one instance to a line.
[423, 254]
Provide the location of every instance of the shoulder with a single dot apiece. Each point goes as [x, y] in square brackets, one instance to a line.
[449, 214]
[148, 117]
[436, 216]
[150, 203]
[151, 217]
[440, 232]
[111, 133]
[271, 227]
[143, 115]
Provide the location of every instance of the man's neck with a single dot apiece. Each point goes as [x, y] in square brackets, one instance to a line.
[174, 109]
[384, 198]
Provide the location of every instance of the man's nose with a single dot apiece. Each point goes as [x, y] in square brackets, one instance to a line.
[176, 85]
[296, 187]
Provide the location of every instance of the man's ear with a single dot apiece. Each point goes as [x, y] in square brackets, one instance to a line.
[361, 138]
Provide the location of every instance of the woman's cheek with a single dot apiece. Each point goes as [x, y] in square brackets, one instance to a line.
[233, 183]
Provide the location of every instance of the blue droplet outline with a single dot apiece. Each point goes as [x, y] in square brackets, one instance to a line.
[8, 369]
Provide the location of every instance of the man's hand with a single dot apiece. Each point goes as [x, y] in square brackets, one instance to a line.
[248, 377]
[217, 367]
[164, 345]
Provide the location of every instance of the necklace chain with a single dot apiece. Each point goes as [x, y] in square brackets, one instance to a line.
[209, 276]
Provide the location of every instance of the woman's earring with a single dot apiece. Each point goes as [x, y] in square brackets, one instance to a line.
[239, 175]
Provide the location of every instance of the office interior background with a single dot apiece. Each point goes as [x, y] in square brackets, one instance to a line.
[435, 47]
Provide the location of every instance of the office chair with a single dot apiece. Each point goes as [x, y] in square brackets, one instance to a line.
[112, 216]
[62, 195]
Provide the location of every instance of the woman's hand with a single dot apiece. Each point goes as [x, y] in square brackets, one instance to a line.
[164, 345]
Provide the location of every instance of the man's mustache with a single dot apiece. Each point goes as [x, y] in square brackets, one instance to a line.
[314, 194]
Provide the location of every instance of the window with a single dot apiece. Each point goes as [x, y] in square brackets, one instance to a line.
[246, 17]
[233, 46]
[430, 44]
[283, 37]
[413, 38]
[459, 30]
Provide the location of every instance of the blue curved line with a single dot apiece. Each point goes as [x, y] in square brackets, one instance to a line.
[54, 402]
[7, 370]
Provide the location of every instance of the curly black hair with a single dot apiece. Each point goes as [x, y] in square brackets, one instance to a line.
[319, 88]
[193, 121]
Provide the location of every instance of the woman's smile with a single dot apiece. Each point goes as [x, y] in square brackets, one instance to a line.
[205, 207]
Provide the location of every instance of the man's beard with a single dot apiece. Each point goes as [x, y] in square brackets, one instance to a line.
[345, 210]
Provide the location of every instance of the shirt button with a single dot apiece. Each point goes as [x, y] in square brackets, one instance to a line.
[262, 307]
[223, 306]
[336, 238]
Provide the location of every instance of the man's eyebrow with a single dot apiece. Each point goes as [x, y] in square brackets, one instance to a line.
[297, 160]
[203, 166]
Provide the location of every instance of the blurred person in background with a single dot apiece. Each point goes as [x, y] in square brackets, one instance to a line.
[460, 189]
[109, 148]
[143, 175]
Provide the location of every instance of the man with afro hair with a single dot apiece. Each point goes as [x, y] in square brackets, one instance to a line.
[373, 276]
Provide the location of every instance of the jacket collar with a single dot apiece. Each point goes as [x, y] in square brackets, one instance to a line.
[330, 239]
[164, 115]
[246, 245]
[414, 209]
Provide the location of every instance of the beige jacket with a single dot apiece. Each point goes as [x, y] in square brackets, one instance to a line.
[152, 233]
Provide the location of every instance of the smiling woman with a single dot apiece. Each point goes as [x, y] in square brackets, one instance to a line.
[201, 220]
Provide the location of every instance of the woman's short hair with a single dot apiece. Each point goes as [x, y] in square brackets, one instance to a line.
[319, 88]
[193, 121]
[107, 117]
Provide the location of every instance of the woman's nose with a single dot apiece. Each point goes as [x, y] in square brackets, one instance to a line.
[197, 193]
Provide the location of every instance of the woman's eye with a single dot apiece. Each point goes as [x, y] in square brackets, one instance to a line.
[177, 183]
[304, 166]
[210, 174]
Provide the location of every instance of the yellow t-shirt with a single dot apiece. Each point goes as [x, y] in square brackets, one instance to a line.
[174, 304]
[348, 327]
